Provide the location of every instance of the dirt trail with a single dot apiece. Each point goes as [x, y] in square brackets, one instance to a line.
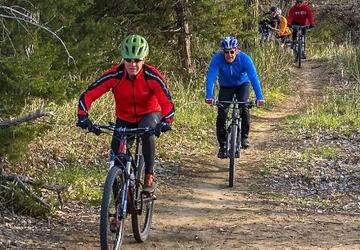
[197, 210]
[209, 215]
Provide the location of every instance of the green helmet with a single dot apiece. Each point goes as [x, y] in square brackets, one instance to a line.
[134, 47]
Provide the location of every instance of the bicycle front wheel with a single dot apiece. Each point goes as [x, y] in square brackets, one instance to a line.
[143, 205]
[300, 43]
[232, 151]
[111, 221]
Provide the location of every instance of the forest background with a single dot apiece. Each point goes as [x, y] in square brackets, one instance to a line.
[46, 69]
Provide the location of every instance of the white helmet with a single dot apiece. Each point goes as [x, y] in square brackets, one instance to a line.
[275, 10]
[278, 11]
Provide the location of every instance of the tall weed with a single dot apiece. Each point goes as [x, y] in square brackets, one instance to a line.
[273, 65]
[339, 111]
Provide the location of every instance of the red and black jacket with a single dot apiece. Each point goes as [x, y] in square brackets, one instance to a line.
[300, 15]
[147, 93]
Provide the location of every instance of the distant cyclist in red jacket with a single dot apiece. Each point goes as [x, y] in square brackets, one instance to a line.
[300, 14]
[142, 98]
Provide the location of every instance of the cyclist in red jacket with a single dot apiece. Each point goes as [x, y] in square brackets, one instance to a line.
[300, 14]
[142, 98]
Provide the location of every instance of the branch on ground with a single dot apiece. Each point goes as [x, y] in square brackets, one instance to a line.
[21, 181]
[32, 116]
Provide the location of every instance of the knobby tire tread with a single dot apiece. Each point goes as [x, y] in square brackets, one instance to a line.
[299, 52]
[141, 230]
[232, 151]
[104, 212]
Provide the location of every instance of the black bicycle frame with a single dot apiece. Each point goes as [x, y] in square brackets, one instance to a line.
[299, 43]
[234, 119]
[129, 169]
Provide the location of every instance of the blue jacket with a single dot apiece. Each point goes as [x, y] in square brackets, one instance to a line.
[241, 71]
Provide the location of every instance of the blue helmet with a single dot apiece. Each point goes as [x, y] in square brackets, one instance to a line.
[229, 42]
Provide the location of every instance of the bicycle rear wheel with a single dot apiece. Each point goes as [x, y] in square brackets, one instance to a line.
[232, 151]
[111, 223]
[143, 205]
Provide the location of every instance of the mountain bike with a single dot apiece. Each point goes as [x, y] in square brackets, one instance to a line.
[233, 132]
[299, 42]
[265, 32]
[123, 189]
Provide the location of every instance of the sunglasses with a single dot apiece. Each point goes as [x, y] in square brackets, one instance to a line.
[229, 52]
[132, 60]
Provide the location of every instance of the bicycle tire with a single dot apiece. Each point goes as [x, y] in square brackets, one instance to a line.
[142, 209]
[111, 200]
[299, 52]
[232, 151]
[238, 142]
[295, 46]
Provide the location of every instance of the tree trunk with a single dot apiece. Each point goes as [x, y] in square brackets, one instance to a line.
[184, 43]
[250, 25]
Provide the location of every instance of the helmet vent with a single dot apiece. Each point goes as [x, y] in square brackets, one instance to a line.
[134, 47]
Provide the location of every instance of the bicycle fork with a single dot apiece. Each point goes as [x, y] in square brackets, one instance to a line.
[124, 191]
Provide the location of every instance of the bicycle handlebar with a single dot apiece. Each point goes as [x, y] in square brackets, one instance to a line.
[270, 27]
[248, 104]
[99, 129]
[124, 131]
[300, 27]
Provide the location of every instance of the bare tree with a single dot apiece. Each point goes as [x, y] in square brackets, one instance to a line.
[23, 16]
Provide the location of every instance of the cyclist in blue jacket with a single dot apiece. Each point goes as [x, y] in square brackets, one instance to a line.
[234, 71]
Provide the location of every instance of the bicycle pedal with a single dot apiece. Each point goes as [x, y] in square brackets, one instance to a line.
[114, 225]
[149, 196]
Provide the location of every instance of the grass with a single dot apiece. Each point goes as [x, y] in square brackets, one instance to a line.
[274, 67]
[319, 151]
[85, 184]
[339, 110]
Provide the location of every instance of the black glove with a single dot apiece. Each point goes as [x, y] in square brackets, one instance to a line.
[165, 127]
[311, 26]
[161, 127]
[95, 129]
[84, 122]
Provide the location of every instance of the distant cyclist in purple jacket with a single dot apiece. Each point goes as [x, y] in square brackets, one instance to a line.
[234, 71]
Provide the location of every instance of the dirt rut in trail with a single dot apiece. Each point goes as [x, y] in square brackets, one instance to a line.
[197, 210]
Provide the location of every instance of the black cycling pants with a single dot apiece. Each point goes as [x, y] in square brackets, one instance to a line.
[148, 142]
[226, 94]
[294, 34]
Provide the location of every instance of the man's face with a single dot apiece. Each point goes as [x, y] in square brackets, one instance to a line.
[230, 55]
[133, 66]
